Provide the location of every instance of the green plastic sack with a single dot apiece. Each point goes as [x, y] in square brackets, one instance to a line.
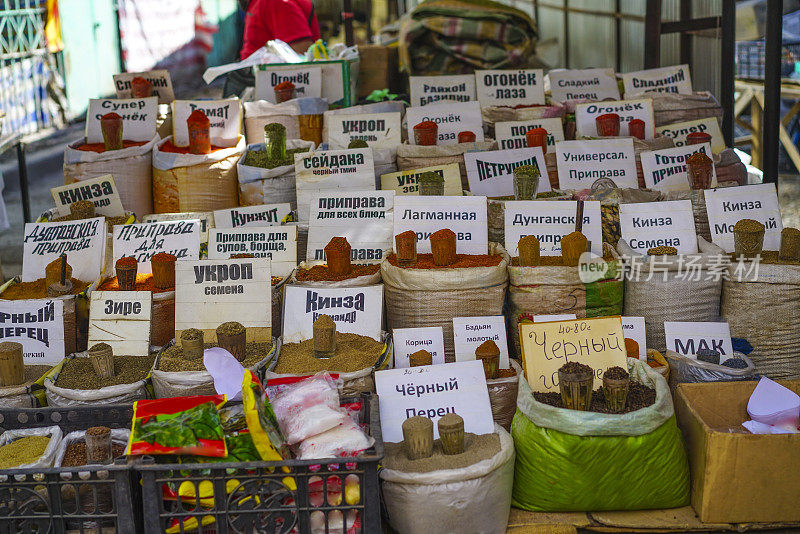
[570, 461]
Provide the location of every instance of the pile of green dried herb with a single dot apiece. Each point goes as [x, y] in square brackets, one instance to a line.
[78, 373]
[262, 159]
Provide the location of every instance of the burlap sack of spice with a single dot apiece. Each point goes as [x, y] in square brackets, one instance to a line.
[503, 396]
[411, 157]
[260, 113]
[691, 370]
[48, 456]
[555, 290]
[121, 394]
[268, 186]
[27, 395]
[569, 460]
[433, 297]
[195, 182]
[131, 167]
[762, 305]
[168, 384]
[493, 114]
[356, 281]
[670, 108]
[352, 384]
[472, 499]
[684, 287]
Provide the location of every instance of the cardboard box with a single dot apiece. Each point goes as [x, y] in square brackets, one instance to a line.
[737, 477]
[379, 69]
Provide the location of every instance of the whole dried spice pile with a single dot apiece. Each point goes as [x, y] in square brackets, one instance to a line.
[37, 289]
[321, 273]
[262, 158]
[575, 368]
[425, 261]
[22, 451]
[476, 448]
[75, 454]
[639, 396]
[78, 373]
[616, 373]
[662, 251]
[144, 282]
[353, 353]
[172, 359]
[111, 221]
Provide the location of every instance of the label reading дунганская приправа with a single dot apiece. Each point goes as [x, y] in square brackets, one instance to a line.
[84, 243]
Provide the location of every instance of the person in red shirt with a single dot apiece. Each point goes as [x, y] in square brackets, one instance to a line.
[292, 21]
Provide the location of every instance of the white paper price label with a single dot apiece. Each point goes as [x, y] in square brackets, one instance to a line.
[211, 292]
[275, 243]
[469, 333]
[549, 222]
[634, 328]
[143, 241]
[554, 317]
[331, 170]
[121, 319]
[659, 224]
[253, 216]
[466, 216]
[365, 218]
[688, 337]
[582, 163]
[407, 341]
[512, 134]
[162, 84]
[510, 87]
[583, 84]
[433, 391]
[451, 119]
[673, 79]
[101, 191]
[84, 243]
[355, 310]
[139, 116]
[405, 182]
[307, 81]
[225, 117]
[206, 219]
[729, 205]
[491, 173]
[665, 170]
[642, 109]
[679, 130]
[378, 130]
[432, 89]
[38, 325]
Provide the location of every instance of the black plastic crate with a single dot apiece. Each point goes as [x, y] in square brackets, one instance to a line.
[69, 499]
[252, 497]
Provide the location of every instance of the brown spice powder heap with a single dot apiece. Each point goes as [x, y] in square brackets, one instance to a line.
[78, 373]
[231, 328]
[476, 448]
[172, 360]
[639, 396]
[322, 273]
[37, 289]
[353, 353]
[144, 282]
[748, 225]
[425, 261]
[662, 251]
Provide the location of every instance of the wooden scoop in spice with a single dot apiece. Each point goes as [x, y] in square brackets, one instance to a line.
[443, 247]
[337, 255]
[324, 337]
[529, 253]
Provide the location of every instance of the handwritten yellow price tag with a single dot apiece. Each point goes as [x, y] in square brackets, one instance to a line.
[598, 343]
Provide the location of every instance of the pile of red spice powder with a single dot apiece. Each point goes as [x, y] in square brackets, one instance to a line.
[319, 273]
[283, 86]
[425, 261]
[172, 149]
[101, 147]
